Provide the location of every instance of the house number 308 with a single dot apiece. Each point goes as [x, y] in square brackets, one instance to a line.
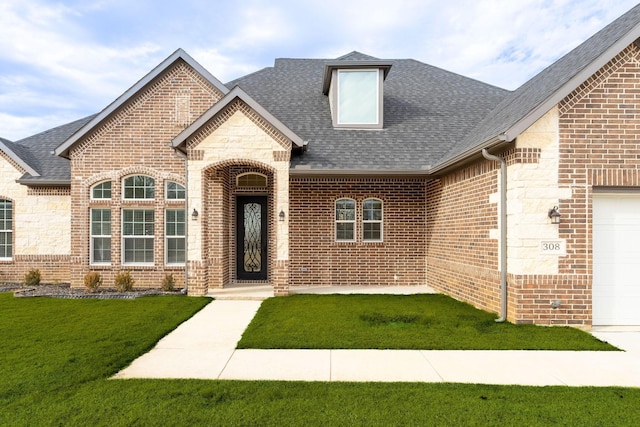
[551, 246]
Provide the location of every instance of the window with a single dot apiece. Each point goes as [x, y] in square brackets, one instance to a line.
[100, 236]
[372, 220]
[101, 191]
[6, 229]
[175, 236]
[175, 191]
[345, 220]
[358, 101]
[251, 180]
[137, 236]
[139, 187]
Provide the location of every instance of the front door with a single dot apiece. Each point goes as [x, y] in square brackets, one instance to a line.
[251, 238]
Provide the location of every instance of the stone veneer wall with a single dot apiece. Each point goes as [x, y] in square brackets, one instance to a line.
[316, 259]
[41, 228]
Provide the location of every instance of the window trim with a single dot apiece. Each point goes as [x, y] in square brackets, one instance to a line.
[175, 237]
[100, 236]
[373, 221]
[343, 221]
[166, 191]
[9, 231]
[124, 237]
[124, 180]
[94, 186]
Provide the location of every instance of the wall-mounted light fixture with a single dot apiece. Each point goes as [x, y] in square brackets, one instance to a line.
[281, 216]
[194, 215]
[554, 215]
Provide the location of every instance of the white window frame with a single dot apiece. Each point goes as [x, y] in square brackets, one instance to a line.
[340, 122]
[8, 231]
[344, 221]
[124, 187]
[126, 237]
[92, 237]
[179, 186]
[373, 221]
[174, 237]
[96, 185]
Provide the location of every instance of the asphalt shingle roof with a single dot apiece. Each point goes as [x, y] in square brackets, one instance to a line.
[431, 116]
[426, 111]
[37, 151]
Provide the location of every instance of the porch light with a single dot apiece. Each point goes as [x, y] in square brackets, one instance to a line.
[554, 215]
[281, 216]
[194, 214]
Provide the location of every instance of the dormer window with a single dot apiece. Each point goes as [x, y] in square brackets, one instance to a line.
[358, 97]
[355, 90]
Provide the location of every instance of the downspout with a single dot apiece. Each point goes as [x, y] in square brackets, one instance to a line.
[503, 233]
[186, 221]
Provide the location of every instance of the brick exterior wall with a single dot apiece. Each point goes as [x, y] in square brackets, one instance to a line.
[316, 259]
[133, 140]
[462, 258]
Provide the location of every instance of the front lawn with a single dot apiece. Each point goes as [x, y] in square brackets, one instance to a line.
[421, 322]
[56, 357]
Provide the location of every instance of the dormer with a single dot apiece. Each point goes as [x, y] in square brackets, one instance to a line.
[355, 90]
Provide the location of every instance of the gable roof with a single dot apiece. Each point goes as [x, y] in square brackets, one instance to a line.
[63, 149]
[532, 100]
[235, 93]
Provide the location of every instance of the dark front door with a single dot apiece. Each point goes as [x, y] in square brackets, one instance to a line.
[251, 235]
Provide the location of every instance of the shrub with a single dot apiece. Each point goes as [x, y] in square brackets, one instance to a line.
[123, 281]
[168, 283]
[32, 278]
[92, 281]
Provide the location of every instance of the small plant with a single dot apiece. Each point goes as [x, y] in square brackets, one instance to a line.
[92, 281]
[123, 281]
[168, 283]
[32, 278]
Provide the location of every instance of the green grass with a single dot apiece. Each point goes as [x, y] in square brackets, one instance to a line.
[427, 322]
[56, 357]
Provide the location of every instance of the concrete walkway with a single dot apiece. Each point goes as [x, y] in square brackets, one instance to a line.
[204, 347]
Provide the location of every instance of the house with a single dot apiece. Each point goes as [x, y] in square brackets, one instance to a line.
[350, 171]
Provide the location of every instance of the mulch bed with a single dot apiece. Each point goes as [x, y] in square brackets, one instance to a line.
[65, 291]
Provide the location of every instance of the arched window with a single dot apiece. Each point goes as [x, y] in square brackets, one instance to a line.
[6, 229]
[101, 191]
[345, 220]
[251, 179]
[175, 191]
[372, 220]
[138, 187]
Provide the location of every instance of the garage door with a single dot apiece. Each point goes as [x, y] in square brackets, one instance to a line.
[616, 259]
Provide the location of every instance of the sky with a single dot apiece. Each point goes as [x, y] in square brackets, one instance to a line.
[63, 60]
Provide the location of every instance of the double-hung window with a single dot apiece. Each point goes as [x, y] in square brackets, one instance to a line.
[100, 236]
[6, 229]
[345, 220]
[175, 231]
[372, 220]
[138, 236]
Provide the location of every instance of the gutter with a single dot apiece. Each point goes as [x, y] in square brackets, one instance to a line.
[44, 182]
[503, 233]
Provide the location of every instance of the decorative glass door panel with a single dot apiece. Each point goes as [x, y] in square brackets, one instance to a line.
[251, 241]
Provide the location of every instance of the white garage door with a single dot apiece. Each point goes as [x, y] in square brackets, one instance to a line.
[616, 259]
